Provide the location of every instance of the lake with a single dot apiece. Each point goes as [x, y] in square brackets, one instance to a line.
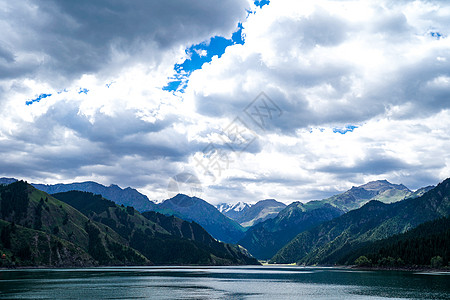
[242, 282]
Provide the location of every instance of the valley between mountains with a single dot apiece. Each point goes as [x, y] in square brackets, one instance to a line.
[89, 224]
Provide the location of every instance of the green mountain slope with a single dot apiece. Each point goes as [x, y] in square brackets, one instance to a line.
[198, 210]
[203, 213]
[266, 238]
[37, 229]
[222, 228]
[44, 249]
[415, 247]
[23, 205]
[162, 239]
[332, 240]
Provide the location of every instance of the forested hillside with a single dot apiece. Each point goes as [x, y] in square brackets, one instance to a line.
[83, 229]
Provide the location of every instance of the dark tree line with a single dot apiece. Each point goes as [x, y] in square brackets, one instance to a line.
[428, 244]
[14, 201]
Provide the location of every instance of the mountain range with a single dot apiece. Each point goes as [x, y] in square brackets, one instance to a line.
[185, 207]
[188, 208]
[381, 190]
[127, 196]
[270, 230]
[82, 229]
[265, 239]
[329, 242]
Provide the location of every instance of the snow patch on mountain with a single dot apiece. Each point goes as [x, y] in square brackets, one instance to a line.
[239, 206]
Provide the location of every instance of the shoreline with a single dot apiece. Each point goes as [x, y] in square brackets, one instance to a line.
[366, 268]
[117, 266]
[405, 268]
[351, 267]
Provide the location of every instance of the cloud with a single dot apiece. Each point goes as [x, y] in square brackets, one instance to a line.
[63, 47]
[68, 39]
[331, 62]
[377, 71]
[370, 165]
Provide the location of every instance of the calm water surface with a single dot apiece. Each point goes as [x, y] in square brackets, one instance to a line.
[261, 282]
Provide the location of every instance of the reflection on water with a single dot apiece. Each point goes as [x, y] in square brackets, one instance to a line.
[265, 282]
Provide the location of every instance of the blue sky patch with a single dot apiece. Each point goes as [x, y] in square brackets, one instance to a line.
[261, 3]
[83, 91]
[200, 54]
[39, 98]
[344, 130]
[203, 53]
[173, 85]
[237, 36]
[436, 35]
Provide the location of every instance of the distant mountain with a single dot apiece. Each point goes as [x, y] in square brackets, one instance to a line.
[5, 181]
[263, 240]
[248, 215]
[380, 190]
[259, 212]
[230, 208]
[127, 196]
[421, 191]
[332, 240]
[203, 213]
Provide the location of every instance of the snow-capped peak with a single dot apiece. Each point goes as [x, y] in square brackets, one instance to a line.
[240, 206]
[226, 207]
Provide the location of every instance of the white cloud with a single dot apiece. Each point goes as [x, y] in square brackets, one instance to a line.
[332, 63]
[380, 65]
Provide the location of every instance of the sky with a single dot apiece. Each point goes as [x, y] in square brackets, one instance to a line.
[226, 100]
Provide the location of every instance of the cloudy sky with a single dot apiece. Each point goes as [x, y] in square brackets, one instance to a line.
[230, 100]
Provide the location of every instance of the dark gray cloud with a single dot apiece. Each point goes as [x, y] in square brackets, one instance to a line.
[61, 40]
[369, 165]
[111, 136]
[6, 55]
[272, 179]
